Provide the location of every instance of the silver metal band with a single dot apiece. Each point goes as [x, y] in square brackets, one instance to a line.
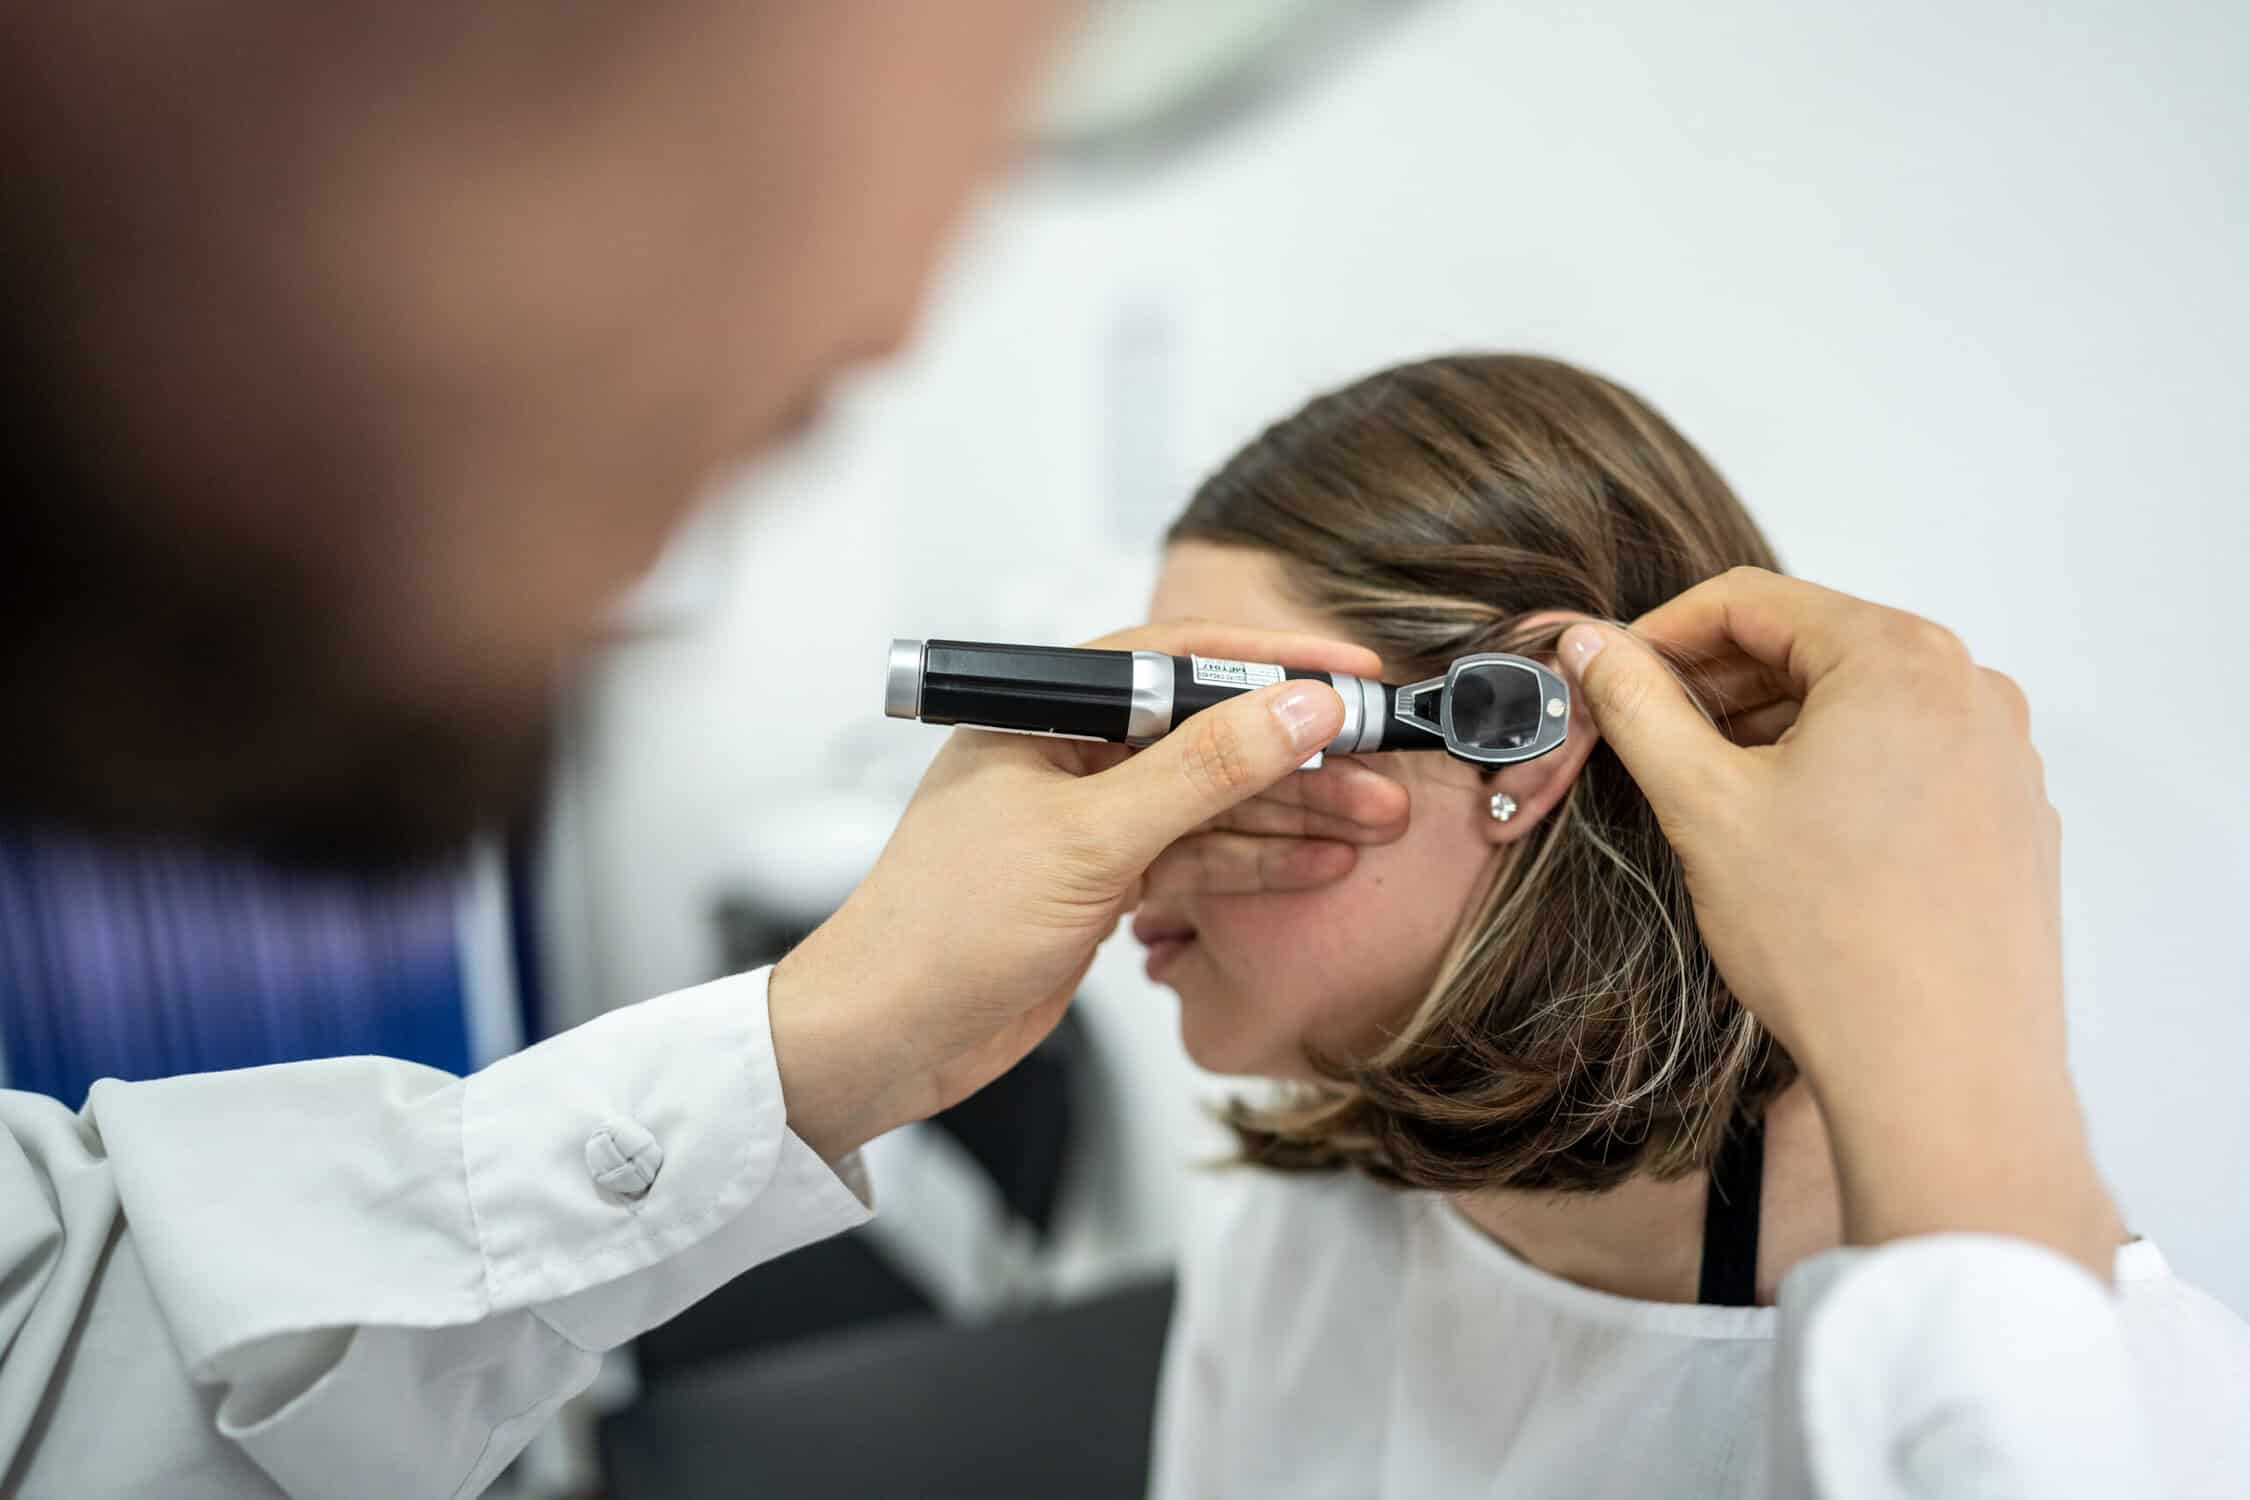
[1151, 714]
[1363, 714]
[902, 685]
[1370, 715]
[1355, 713]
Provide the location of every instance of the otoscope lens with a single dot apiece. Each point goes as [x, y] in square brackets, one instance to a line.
[1493, 706]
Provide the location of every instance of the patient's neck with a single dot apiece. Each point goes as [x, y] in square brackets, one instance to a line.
[1645, 1239]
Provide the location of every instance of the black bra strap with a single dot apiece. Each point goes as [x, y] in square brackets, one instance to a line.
[1730, 1219]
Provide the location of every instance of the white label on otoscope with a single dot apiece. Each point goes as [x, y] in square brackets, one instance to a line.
[1214, 671]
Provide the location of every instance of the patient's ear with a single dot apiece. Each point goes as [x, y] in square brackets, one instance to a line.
[1537, 786]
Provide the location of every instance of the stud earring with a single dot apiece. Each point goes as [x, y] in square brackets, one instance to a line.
[1503, 806]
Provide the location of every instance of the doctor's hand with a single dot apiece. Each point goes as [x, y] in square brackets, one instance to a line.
[1874, 865]
[1015, 860]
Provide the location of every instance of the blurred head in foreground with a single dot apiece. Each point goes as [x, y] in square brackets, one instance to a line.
[355, 356]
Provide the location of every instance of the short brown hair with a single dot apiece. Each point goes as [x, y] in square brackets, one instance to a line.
[1576, 1033]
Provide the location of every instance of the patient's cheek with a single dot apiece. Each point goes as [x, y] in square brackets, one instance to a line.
[1307, 971]
[1250, 985]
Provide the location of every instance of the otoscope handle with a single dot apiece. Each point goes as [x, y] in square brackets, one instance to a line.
[1126, 697]
[1036, 689]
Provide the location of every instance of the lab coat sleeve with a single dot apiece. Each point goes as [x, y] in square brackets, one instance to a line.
[1955, 1366]
[378, 1279]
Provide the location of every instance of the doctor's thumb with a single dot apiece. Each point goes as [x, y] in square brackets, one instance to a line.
[1223, 755]
[1645, 714]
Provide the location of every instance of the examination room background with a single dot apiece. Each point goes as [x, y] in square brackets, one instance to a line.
[1953, 293]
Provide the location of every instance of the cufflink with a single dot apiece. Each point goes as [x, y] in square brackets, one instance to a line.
[623, 1158]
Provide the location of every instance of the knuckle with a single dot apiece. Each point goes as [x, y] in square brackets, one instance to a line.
[1924, 640]
[1931, 660]
[2005, 691]
[1942, 645]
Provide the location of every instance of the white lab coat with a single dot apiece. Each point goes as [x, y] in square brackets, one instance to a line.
[1336, 1339]
[369, 1278]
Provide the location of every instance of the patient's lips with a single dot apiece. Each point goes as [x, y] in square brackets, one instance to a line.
[1166, 935]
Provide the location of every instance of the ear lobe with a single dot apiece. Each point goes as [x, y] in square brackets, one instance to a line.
[1538, 786]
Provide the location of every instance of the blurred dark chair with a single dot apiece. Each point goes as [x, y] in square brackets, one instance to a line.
[1053, 1403]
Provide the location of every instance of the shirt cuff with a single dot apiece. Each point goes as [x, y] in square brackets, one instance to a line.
[1955, 1365]
[689, 1083]
[359, 1192]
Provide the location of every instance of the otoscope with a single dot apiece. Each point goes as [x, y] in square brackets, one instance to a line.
[1491, 709]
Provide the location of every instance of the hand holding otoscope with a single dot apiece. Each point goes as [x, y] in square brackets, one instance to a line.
[1039, 845]
[1045, 843]
[1019, 854]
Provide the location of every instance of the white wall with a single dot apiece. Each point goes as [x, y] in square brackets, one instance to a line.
[1954, 294]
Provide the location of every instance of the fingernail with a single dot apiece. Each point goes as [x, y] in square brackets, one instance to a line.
[1303, 716]
[1580, 645]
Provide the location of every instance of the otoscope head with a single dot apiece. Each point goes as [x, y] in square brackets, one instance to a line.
[1491, 709]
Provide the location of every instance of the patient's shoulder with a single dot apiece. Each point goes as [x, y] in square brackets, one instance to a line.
[1288, 1317]
[1278, 1237]
[2191, 1360]
[2163, 1311]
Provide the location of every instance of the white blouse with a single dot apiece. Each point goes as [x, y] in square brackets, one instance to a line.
[1334, 1338]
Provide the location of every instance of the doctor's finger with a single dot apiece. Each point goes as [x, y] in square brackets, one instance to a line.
[1261, 818]
[1760, 726]
[1238, 643]
[1735, 685]
[1342, 800]
[1223, 756]
[1798, 629]
[1678, 756]
[1345, 799]
[1235, 864]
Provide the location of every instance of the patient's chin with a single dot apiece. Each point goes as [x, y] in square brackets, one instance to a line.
[1220, 1039]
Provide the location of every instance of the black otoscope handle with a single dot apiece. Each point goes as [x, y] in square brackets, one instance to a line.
[1037, 689]
[1072, 690]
